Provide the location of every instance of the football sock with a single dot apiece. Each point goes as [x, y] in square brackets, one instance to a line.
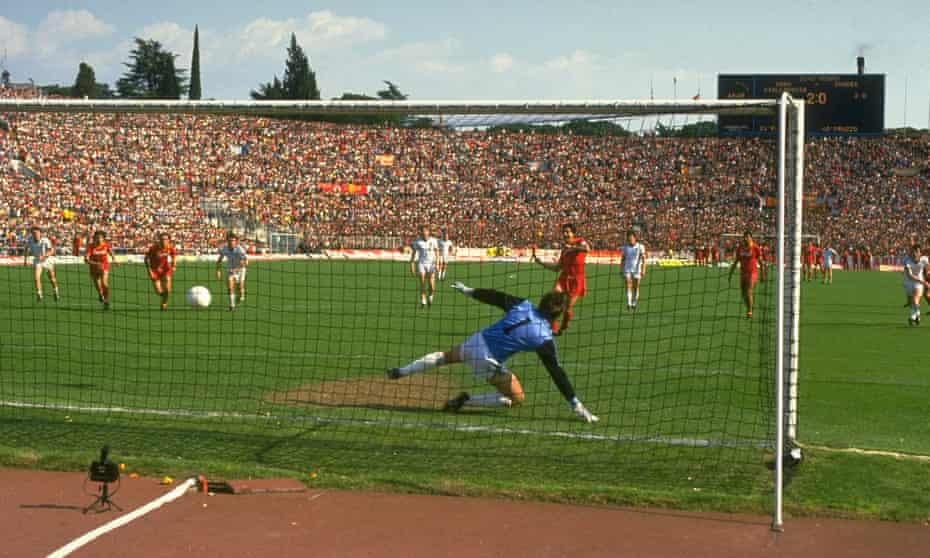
[488, 400]
[232, 300]
[629, 298]
[424, 363]
[635, 297]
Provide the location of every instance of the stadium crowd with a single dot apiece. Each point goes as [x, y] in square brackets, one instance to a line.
[134, 175]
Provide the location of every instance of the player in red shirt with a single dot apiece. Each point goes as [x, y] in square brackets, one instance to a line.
[751, 269]
[76, 244]
[571, 272]
[810, 260]
[98, 257]
[161, 261]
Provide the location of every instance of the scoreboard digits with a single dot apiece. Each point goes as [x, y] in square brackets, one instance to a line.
[836, 104]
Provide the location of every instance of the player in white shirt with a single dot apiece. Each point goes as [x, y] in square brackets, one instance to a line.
[40, 249]
[446, 251]
[236, 263]
[915, 280]
[828, 254]
[633, 262]
[423, 256]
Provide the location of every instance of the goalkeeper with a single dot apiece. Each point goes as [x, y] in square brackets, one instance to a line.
[524, 327]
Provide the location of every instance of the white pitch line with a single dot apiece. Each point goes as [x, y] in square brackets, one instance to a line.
[592, 436]
[122, 520]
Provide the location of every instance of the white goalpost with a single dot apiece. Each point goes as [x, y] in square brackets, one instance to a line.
[787, 240]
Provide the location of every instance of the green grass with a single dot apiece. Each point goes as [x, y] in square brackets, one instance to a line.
[682, 388]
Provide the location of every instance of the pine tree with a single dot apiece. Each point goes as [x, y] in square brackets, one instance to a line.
[299, 80]
[194, 93]
[85, 84]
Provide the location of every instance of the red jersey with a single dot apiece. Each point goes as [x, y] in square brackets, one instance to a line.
[811, 253]
[572, 261]
[99, 253]
[76, 246]
[749, 258]
[161, 259]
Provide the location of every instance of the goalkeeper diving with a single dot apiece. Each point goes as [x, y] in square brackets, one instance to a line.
[524, 327]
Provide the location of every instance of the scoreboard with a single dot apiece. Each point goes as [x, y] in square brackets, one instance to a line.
[850, 104]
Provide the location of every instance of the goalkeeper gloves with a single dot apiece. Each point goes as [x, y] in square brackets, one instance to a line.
[460, 287]
[583, 413]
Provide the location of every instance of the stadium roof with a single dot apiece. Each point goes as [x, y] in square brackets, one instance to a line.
[611, 109]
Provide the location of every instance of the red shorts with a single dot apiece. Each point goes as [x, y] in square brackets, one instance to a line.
[97, 269]
[748, 279]
[809, 262]
[573, 285]
[160, 273]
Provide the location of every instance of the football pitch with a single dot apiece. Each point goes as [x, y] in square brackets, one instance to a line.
[293, 381]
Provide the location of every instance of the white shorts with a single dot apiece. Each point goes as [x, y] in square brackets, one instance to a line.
[911, 288]
[45, 265]
[236, 275]
[632, 275]
[474, 353]
[424, 268]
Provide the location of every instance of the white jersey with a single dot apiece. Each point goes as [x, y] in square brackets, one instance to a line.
[633, 255]
[917, 269]
[234, 257]
[38, 248]
[445, 249]
[425, 250]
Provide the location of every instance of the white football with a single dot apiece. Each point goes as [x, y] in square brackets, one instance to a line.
[199, 297]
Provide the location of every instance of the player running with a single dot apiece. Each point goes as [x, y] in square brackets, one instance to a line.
[423, 255]
[828, 255]
[236, 263]
[915, 280]
[40, 249]
[161, 260]
[570, 266]
[98, 257]
[446, 251]
[751, 269]
[633, 262]
[524, 327]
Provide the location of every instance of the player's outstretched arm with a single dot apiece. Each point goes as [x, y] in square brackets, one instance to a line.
[503, 301]
[547, 354]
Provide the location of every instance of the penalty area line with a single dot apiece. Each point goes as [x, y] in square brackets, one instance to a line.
[123, 520]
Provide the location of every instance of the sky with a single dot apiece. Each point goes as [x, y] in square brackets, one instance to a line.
[482, 49]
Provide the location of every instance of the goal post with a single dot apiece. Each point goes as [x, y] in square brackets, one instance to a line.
[689, 392]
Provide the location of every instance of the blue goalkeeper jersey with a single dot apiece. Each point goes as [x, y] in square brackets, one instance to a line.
[522, 328]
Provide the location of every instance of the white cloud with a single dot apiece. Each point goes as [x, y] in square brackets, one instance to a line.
[579, 60]
[13, 37]
[173, 38]
[501, 62]
[433, 57]
[316, 31]
[72, 25]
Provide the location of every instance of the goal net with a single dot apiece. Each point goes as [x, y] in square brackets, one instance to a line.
[294, 377]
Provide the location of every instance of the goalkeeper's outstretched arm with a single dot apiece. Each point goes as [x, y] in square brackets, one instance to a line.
[502, 300]
[547, 354]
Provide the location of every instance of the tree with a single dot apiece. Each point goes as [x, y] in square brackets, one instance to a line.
[299, 82]
[271, 91]
[194, 93]
[85, 84]
[392, 93]
[151, 73]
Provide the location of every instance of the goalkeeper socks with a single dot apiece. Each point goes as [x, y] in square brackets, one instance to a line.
[488, 400]
[422, 364]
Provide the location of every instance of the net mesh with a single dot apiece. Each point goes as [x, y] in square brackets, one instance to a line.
[295, 377]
